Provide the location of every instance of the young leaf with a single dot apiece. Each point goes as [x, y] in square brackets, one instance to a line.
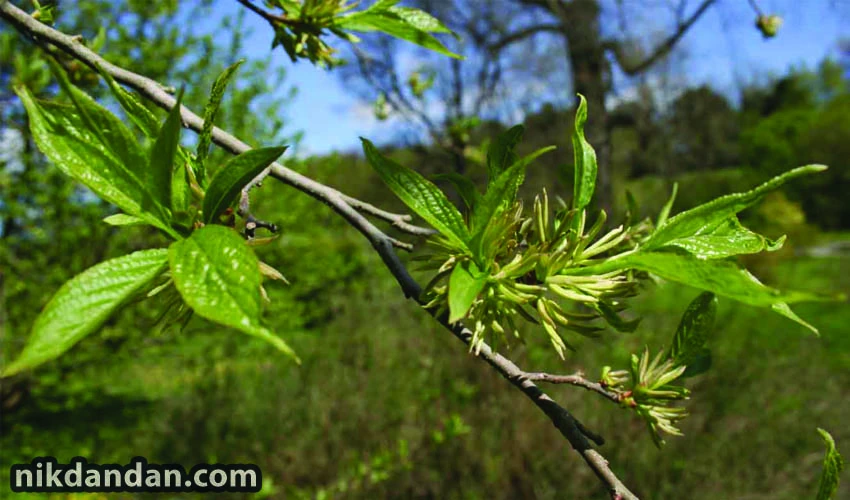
[123, 220]
[219, 278]
[665, 210]
[464, 187]
[688, 346]
[502, 192]
[725, 239]
[501, 155]
[584, 159]
[692, 222]
[181, 191]
[163, 150]
[465, 283]
[833, 464]
[421, 195]
[210, 110]
[233, 176]
[84, 303]
[136, 111]
[64, 137]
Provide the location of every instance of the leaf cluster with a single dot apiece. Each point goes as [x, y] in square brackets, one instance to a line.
[300, 27]
[209, 269]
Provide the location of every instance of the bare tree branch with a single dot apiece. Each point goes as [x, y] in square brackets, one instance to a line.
[662, 49]
[522, 34]
[575, 433]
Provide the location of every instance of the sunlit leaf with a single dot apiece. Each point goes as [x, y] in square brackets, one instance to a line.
[234, 175]
[421, 195]
[123, 220]
[722, 276]
[725, 239]
[65, 138]
[219, 278]
[84, 303]
[132, 105]
[407, 24]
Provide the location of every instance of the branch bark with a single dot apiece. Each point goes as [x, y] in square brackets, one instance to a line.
[575, 433]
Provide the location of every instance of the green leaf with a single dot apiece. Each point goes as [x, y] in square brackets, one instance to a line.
[688, 346]
[233, 176]
[111, 136]
[123, 220]
[161, 166]
[833, 464]
[721, 276]
[691, 222]
[464, 187]
[421, 195]
[132, 105]
[210, 110]
[502, 192]
[181, 192]
[726, 239]
[401, 23]
[612, 318]
[501, 154]
[665, 210]
[421, 20]
[465, 283]
[63, 135]
[219, 278]
[84, 303]
[584, 159]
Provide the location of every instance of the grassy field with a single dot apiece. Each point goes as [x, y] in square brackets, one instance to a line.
[388, 405]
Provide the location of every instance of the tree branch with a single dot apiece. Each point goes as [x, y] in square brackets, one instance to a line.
[568, 426]
[577, 380]
[662, 49]
[522, 34]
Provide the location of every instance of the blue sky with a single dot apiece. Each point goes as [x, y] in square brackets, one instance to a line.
[723, 49]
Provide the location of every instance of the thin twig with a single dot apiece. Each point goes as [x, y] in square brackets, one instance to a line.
[569, 427]
[577, 380]
[273, 19]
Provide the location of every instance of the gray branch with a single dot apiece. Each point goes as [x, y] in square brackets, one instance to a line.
[577, 435]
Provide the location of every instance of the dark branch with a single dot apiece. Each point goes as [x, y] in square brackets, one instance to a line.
[662, 49]
[273, 19]
[524, 33]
